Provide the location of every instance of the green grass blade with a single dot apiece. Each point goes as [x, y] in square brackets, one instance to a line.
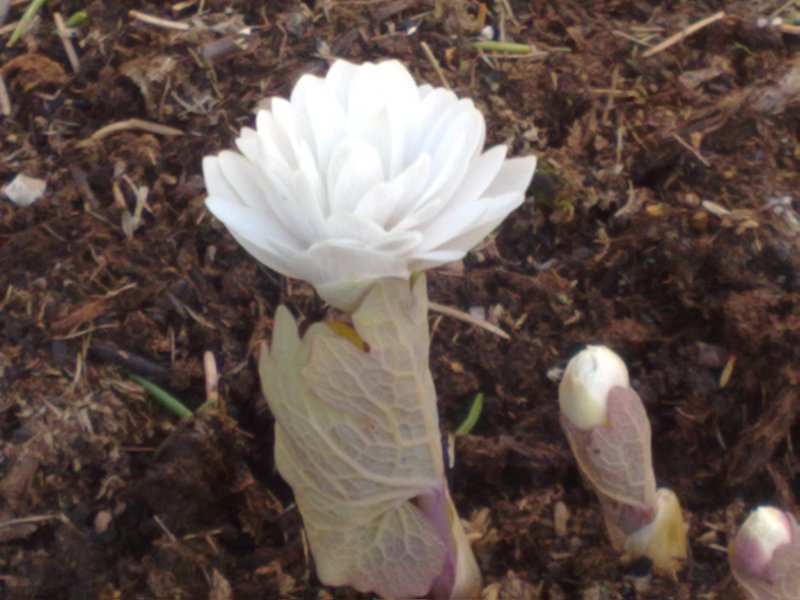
[27, 17]
[163, 397]
[77, 18]
[510, 47]
[472, 416]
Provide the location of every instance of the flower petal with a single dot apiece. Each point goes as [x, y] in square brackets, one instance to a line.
[342, 273]
[493, 215]
[216, 184]
[252, 224]
[388, 203]
[514, 175]
[482, 172]
[355, 167]
[273, 197]
[376, 86]
[327, 120]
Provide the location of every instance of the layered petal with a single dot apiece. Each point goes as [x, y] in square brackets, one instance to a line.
[363, 160]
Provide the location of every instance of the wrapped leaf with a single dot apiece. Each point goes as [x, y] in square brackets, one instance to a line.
[616, 457]
[357, 439]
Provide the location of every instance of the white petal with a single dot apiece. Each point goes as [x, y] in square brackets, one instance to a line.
[328, 123]
[435, 258]
[453, 143]
[388, 203]
[451, 225]
[277, 257]
[216, 184]
[377, 86]
[482, 172]
[514, 176]
[275, 144]
[246, 179]
[295, 124]
[347, 226]
[273, 198]
[429, 111]
[401, 243]
[305, 90]
[249, 144]
[355, 167]
[425, 217]
[493, 212]
[339, 80]
[252, 225]
[342, 273]
[334, 259]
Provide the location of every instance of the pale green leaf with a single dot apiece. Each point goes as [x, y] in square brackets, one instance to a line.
[357, 438]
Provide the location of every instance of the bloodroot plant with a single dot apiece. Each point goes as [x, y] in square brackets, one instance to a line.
[357, 184]
[765, 555]
[608, 431]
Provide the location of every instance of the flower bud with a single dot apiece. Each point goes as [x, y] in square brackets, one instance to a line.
[765, 555]
[583, 392]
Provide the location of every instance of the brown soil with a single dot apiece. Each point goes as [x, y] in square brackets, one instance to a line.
[663, 221]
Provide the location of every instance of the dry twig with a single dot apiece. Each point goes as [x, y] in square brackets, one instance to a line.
[436, 66]
[128, 124]
[691, 149]
[5, 99]
[66, 41]
[685, 33]
[158, 21]
[468, 318]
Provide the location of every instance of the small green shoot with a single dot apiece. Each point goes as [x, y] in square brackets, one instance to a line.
[77, 18]
[472, 416]
[509, 47]
[25, 21]
[163, 397]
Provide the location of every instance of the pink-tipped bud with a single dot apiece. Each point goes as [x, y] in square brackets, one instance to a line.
[583, 392]
[765, 555]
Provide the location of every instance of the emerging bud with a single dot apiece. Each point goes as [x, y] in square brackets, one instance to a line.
[608, 431]
[587, 380]
[765, 555]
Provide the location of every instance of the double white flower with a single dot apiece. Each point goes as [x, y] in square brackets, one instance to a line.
[363, 175]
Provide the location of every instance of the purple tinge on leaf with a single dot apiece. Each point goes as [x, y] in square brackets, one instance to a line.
[616, 457]
[765, 555]
[357, 438]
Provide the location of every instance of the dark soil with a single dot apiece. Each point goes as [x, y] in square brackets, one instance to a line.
[663, 221]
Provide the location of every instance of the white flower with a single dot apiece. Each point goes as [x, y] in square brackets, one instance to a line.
[363, 175]
[583, 392]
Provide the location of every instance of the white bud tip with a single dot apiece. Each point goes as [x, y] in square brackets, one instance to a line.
[588, 378]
